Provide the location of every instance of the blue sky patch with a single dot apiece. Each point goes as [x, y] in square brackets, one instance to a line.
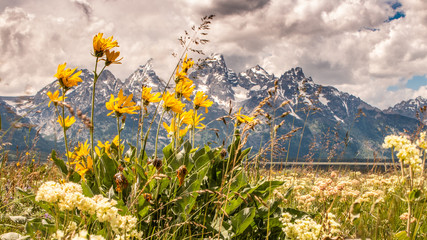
[397, 15]
[395, 5]
[416, 82]
[413, 83]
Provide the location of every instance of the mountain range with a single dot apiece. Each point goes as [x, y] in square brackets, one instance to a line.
[331, 124]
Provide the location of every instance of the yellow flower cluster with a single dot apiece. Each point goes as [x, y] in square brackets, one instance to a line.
[67, 122]
[171, 103]
[243, 118]
[121, 104]
[54, 98]
[101, 44]
[148, 97]
[81, 159]
[66, 77]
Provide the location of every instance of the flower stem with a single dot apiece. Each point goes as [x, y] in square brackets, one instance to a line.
[157, 134]
[63, 128]
[95, 79]
[118, 131]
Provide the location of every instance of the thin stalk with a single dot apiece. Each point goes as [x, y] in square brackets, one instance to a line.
[65, 131]
[157, 134]
[141, 132]
[95, 79]
[193, 128]
[302, 133]
[408, 223]
[118, 131]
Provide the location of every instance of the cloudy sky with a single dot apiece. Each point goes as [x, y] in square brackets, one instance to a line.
[374, 49]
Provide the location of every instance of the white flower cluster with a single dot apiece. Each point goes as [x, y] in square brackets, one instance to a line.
[301, 229]
[82, 235]
[407, 152]
[308, 229]
[69, 196]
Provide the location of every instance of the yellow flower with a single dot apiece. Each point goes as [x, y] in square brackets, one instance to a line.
[54, 98]
[68, 121]
[174, 127]
[149, 97]
[121, 104]
[187, 64]
[111, 58]
[185, 88]
[182, 75]
[243, 118]
[107, 146]
[82, 167]
[171, 103]
[191, 119]
[201, 100]
[100, 44]
[81, 151]
[66, 77]
[18, 164]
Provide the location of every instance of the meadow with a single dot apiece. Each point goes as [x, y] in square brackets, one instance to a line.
[187, 190]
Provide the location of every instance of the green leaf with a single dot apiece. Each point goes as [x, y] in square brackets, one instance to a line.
[401, 236]
[86, 189]
[37, 224]
[110, 168]
[414, 194]
[201, 158]
[242, 220]
[59, 163]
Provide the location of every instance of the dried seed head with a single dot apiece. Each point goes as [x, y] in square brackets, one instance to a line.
[121, 181]
[223, 153]
[181, 173]
[157, 163]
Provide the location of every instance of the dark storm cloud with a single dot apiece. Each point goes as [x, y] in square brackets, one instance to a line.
[232, 7]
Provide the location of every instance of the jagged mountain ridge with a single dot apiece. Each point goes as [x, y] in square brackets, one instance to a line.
[413, 108]
[336, 112]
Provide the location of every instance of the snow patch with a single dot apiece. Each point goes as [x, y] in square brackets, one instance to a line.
[323, 100]
[219, 101]
[338, 119]
[240, 94]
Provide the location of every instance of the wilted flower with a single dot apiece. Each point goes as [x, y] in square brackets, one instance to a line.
[111, 58]
[181, 173]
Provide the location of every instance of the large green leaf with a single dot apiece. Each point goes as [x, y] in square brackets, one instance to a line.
[86, 190]
[110, 168]
[242, 220]
[37, 224]
[59, 163]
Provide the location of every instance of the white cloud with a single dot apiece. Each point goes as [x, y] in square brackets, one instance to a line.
[345, 43]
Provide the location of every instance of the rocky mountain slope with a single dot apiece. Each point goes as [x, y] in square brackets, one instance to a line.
[333, 124]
